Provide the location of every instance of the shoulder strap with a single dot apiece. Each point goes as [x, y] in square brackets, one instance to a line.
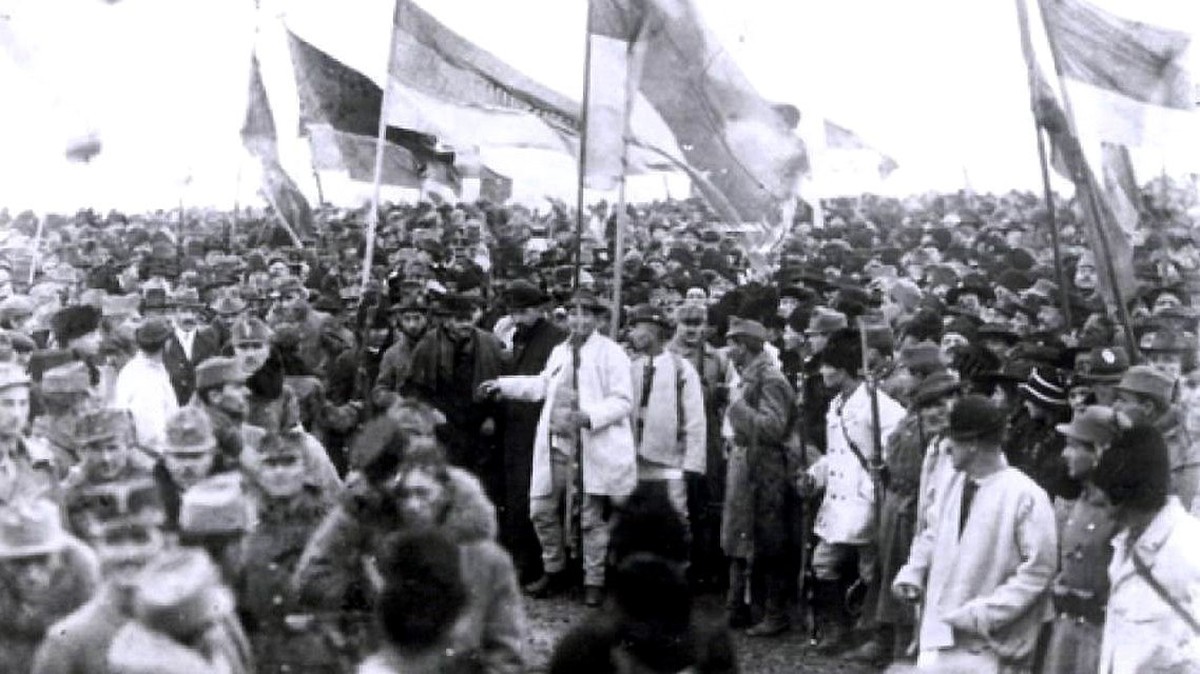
[858, 454]
[681, 426]
[1143, 570]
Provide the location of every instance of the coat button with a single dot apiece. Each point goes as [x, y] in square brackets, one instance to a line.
[277, 600]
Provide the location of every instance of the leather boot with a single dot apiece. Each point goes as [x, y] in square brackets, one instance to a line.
[877, 650]
[549, 585]
[830, 609]
[776, 619]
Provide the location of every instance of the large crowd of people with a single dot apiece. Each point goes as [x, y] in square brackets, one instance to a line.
[911, 434]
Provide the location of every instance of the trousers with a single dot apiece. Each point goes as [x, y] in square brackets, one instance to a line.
[548, 514]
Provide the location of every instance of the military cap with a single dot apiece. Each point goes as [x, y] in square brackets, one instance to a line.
[180, 592]
[153, 333]
[96, 425]
[1145, 380]
[31, 529]
[648, 313]
[134, 500]
[217, 371]
[189, 430]
[588, 300]
[1103, 365]
[249, 329]
[215, 506]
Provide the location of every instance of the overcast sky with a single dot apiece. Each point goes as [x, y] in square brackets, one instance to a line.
[937, 84]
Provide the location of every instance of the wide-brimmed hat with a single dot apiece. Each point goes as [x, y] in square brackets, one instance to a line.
[1167, 341]
[922, 358]
[1147, 381]
[825, 320]
[249, 329]
[75, 321]
[456, 304]
[189, 430]
[180, 593]
[973, 417]
[217, 371]
[1095, 425]
[30, 529]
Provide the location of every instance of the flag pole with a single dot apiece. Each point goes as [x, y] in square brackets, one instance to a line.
[1060, 271]
[380, 144]
[583, 144]
[1090, 183]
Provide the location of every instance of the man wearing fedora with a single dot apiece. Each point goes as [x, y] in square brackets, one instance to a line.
[583, 426]
[45, 574]
[533, 340]
[189, 345]
[983, 563]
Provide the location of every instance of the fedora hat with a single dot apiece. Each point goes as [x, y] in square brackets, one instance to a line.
[745, 327]
[973, 417]
[522, 294]
[1147, 381]
[935, 387]
[648, 313]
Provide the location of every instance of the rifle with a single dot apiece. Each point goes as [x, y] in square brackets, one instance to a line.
[575, 505]
[875, 463]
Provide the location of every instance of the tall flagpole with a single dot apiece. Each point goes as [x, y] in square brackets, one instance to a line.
[380, 145]
[583, 144]
[1059, 270]
[1097, 213]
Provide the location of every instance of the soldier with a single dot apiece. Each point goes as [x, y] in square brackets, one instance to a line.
[669, 421]
[846, 520]
[184, 616]
[103, 439]
[189, 344]
[814, 395]
[705, 495]
[64, 397]
[288, 506]
[1080, 589]
[122, 526]
[45, 574]
[189, 456]
[26, 469]
[1144, 396]
[292, 306]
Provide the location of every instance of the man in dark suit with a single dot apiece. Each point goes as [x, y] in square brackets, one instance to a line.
[189, 345]
[533, 340]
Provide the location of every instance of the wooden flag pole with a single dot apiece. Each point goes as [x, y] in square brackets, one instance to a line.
[380, 144]
[1059, 270]
[1090, 184]
[583, 144]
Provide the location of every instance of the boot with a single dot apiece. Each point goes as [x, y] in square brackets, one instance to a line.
[776, 619]
[830, 609]
[735, 602]
[877, 650]
[549, 585]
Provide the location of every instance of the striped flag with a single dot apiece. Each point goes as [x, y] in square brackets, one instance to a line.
[259, 138]
[740, 152]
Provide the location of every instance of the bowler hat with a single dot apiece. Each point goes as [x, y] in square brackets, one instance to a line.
[456, 304]
[1095, 425]
[973, 417]
[1147, 381]
[522, 294]
[30, 529]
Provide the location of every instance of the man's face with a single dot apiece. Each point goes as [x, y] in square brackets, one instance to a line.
[934, 417]
[969, 302]
[787, 305]
[234, 398]
[1020, 323]
[581, 322]
[962, 453]
[187, 467]
[1080, 458]
[412, 323]
[817, 341]
[1139, 408]
[1050, 318]
[527, 316]
[459, 326]
[14, 409]
[643, 336]
[282, 475]
[952, 342]
[422, 497]
[105, 459]
[278, 269]
[186, 319]
[792, 340]
[34, 574]
[252, 354]
[1085, 276]
[691, 330]
[124, 551]
[833, 377]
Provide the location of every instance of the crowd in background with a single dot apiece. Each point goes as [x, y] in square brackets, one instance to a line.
[909, 434]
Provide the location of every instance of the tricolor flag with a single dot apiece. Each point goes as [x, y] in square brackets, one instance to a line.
[740, 152]
[1120, 83]
[259, 138]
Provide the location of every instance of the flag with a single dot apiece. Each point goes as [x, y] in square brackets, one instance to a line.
[857, 152]
[616, 53]
[260, 140]
[742, 147]
[1127, 81]
[340, 108]
[494, 187]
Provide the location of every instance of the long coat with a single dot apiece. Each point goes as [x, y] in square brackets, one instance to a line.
[605, 395]
[1141, 632]
[847, 513]
[758, 494]
[988, 587]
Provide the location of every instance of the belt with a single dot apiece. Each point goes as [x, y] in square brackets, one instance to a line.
[1078, 609]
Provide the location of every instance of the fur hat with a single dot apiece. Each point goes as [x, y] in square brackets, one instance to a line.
[74, 322]
[1136, 469]
[844, 351]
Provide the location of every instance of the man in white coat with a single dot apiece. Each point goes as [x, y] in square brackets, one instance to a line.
[584, 425]
[846, 521]
[144, 387]
[984, 562]
[669, 422]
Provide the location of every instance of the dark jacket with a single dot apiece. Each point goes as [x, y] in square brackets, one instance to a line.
[181, 369]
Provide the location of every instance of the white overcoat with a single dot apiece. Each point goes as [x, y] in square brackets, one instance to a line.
[605, 395]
